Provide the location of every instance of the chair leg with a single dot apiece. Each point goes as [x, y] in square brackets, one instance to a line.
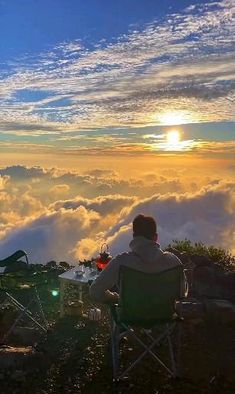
[172, 356]
[115, 350]
[24, 310]
[148, 350]
[178, 351]
[165, 337]
[40, 307]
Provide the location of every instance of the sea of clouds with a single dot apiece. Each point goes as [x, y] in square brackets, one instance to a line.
[66, 216]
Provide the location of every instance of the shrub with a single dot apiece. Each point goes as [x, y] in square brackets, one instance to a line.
[215, 254]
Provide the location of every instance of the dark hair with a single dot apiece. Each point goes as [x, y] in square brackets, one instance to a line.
[144, 226]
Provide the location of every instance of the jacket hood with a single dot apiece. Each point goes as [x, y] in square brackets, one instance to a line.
[147, 249]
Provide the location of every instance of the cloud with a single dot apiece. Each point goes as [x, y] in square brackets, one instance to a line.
[59, 190]
[40, 237]
[183, 62]
[3, 181]
[48, 226]
[104, 205]
[19, 172]
[206, 216]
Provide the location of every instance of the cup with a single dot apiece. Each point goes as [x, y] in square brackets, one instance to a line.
[79, 271]
[94, 269]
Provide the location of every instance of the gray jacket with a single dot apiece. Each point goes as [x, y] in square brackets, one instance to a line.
[145, 255]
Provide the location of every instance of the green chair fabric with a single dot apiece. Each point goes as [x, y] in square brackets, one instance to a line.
[148, 298]
[147, 301]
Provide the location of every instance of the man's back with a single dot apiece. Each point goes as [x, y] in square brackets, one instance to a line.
[145, 255]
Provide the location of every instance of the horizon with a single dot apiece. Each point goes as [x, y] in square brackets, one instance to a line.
[113, 109]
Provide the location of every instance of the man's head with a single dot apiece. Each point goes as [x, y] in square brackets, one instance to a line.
[145, 226]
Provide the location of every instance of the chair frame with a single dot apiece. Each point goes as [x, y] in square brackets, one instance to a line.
[24, 310]
[122, 329]
[14, 258]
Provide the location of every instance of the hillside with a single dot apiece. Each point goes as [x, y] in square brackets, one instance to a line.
[74, 355]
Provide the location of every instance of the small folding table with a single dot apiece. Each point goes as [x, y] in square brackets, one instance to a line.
[72, 278]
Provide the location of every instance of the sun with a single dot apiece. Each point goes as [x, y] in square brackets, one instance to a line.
[173, 137]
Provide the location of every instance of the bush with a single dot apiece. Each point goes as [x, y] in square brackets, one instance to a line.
[215, 254]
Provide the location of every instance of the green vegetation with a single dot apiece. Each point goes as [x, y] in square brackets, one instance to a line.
[215, 254]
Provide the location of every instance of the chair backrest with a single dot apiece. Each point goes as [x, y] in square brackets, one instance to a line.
[149, 297]
[13, 258]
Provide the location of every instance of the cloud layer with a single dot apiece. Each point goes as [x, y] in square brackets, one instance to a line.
[53, 214]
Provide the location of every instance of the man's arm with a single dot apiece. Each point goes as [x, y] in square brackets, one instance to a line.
[100, 290]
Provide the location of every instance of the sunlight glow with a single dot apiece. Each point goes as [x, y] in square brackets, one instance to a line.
[173, 137]
[173, 142]
[180, 146]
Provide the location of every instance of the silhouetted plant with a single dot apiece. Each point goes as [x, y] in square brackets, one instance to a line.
[215, 254]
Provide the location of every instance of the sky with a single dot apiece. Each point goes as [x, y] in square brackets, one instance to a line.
[127, 101]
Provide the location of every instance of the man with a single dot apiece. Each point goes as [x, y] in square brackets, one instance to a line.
[145, 255]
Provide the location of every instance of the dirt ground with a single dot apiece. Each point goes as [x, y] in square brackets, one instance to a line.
[75, 357]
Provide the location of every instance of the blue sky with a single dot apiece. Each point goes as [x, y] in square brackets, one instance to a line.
[31, 26]
[103, 75]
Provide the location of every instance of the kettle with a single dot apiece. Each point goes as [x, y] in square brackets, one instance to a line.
[104, 257]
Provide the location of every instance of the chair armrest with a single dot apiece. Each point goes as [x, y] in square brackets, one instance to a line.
[178, 306]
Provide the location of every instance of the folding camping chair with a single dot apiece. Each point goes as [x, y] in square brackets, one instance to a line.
[148, 301]
[12, 265]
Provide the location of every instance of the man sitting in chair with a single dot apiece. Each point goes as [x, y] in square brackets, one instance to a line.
[145, 255]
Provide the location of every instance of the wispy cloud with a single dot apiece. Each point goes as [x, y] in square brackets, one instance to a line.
[182, 64]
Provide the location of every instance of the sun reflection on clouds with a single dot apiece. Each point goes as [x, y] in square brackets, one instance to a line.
[180, 146]
[155, 136]
[173, 141]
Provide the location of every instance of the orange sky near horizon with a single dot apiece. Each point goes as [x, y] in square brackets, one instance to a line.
[126, 165]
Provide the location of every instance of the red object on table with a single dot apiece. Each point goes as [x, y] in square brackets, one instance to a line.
[104, 257]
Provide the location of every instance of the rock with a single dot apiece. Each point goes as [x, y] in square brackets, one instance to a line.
[228, 282]
[207, 278]
[221, 311]
[188, 265]
[193, 314]
[192, 308]
[26, 335]
[14, 356]
[213, 281]
[18, 375]
[8, 314]
[208, 282]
